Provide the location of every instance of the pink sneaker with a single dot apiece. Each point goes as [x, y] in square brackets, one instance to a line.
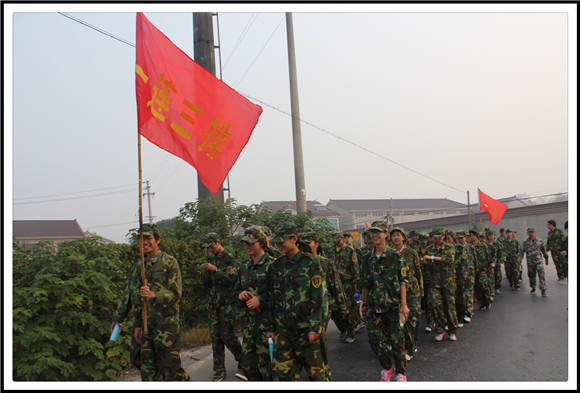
[386, 375]
[452, 337]
[401, 378]
[440, 336]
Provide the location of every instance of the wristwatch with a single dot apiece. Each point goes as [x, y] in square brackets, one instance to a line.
[432, 256]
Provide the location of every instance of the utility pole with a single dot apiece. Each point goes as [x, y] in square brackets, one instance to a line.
[468, 211]
[204, 55]
[296, 132]
[149, 201]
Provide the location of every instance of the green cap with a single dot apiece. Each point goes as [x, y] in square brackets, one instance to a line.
[253, 234]
[381, 226]
[399, 229]
[208, 239]
[335, 236]
[307, 234]
[449, 232]
[149, 229]
[531, 229]
[267, 231]
[437, 232]
[423, 237]
[284, 231]
[413, 232]
[509, 231]
[460, 233]
[347, 234]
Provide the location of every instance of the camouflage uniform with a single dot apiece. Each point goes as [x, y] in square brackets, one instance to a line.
[160, 359]
[348, 270]
[383, 278]
[534, 251]
[498, 251]
[512, 247]
[555, 245]
[257, 279]
[441, 295]
[427, 281]
[221, 306]
[482, 262]
[299, 305]
[415, 292]
[465, 278]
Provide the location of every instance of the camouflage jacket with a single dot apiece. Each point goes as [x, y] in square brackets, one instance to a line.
[482, 256]
[497, 252]
[443, 272]
[383, 278]
[164, 278]
[425, 267]
[464, 266]
[415, 289]
[511, 248]
[415, 247]
[534, 250]
[221, 282]
[555, 241]
[255, 278]
[298, 294]
[347, 265]
[337, 297]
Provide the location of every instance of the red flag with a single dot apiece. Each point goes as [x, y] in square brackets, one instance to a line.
[185, 110]
[495, 209]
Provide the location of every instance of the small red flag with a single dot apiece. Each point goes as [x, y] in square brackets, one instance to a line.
[185, 110]
[495, 209]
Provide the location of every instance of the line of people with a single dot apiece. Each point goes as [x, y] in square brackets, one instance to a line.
[291, 291]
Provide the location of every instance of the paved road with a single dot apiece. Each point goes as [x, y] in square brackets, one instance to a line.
[522, 337]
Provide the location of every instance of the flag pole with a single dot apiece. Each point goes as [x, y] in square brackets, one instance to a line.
[143, 279]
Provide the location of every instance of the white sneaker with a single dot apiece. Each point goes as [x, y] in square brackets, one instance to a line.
[460, 324]
[401, 378]
[408, 357]
[428, 329]
[452, 337]
[467, 319]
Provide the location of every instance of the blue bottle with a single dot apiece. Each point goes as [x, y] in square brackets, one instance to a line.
[116, 331]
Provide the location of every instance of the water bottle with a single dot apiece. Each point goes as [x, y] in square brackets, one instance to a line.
[357, 297]
[116, 331]
[402, 319]
[271, 346]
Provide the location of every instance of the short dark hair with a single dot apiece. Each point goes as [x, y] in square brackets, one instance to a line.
[502, 230]
[566, 225]
[552, 222]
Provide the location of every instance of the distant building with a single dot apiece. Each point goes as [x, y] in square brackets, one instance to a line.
[318, 210]
[358, 214]
[31, 232]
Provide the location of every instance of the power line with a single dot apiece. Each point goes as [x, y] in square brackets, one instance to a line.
[75, 192]
[244, 32]
[79, 197]
[97, 29]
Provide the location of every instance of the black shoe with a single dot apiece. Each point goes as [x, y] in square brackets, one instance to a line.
[219, 376]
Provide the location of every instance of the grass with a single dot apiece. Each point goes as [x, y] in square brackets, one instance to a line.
[195, 337]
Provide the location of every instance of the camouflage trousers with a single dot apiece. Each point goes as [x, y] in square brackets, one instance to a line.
[561, 263]
[411, 327]
[294, 351]
[537, 269]
[464, 296]
[442, 302]
[482, 291]
[430, 319]
[491, 281]
[255, 357]
[354, 316]
[498, 276]
[386, 336]
[512, 272]
[160, 359]
[340, 315]
[221, 328]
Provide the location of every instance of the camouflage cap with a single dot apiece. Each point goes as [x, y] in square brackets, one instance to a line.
[267, 231]
[423, 237]
[460, 233]
[449, 232]
[413, 232]
[209, 238]
[437, 232]
[399, 229]
[335, 236]
[253, 234]
[531, 230]
[509, 231]
[149, 229]
[381, 226]
[284, 231]
[347, 234]
[307, 234]
[482, 235]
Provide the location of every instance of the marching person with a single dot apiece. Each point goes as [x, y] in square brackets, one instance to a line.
[162, 290]
[512, 267]
[299, 308]
[219, 275]
[385, 303]
[555, 245]
[533, 249]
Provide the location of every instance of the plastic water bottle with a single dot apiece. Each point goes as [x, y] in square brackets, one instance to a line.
[271, 346]
[357, 297]
[116, 331]
[402, 319]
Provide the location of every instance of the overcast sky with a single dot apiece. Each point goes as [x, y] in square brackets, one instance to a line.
[464, 97]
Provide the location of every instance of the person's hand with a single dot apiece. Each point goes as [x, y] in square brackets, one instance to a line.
[209, 267]
[364, 309]
[138, 334]
[564, 253]
[145, 292]
[253, 302]
[313, 336]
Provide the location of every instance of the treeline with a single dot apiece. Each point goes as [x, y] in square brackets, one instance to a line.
[64, 298]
